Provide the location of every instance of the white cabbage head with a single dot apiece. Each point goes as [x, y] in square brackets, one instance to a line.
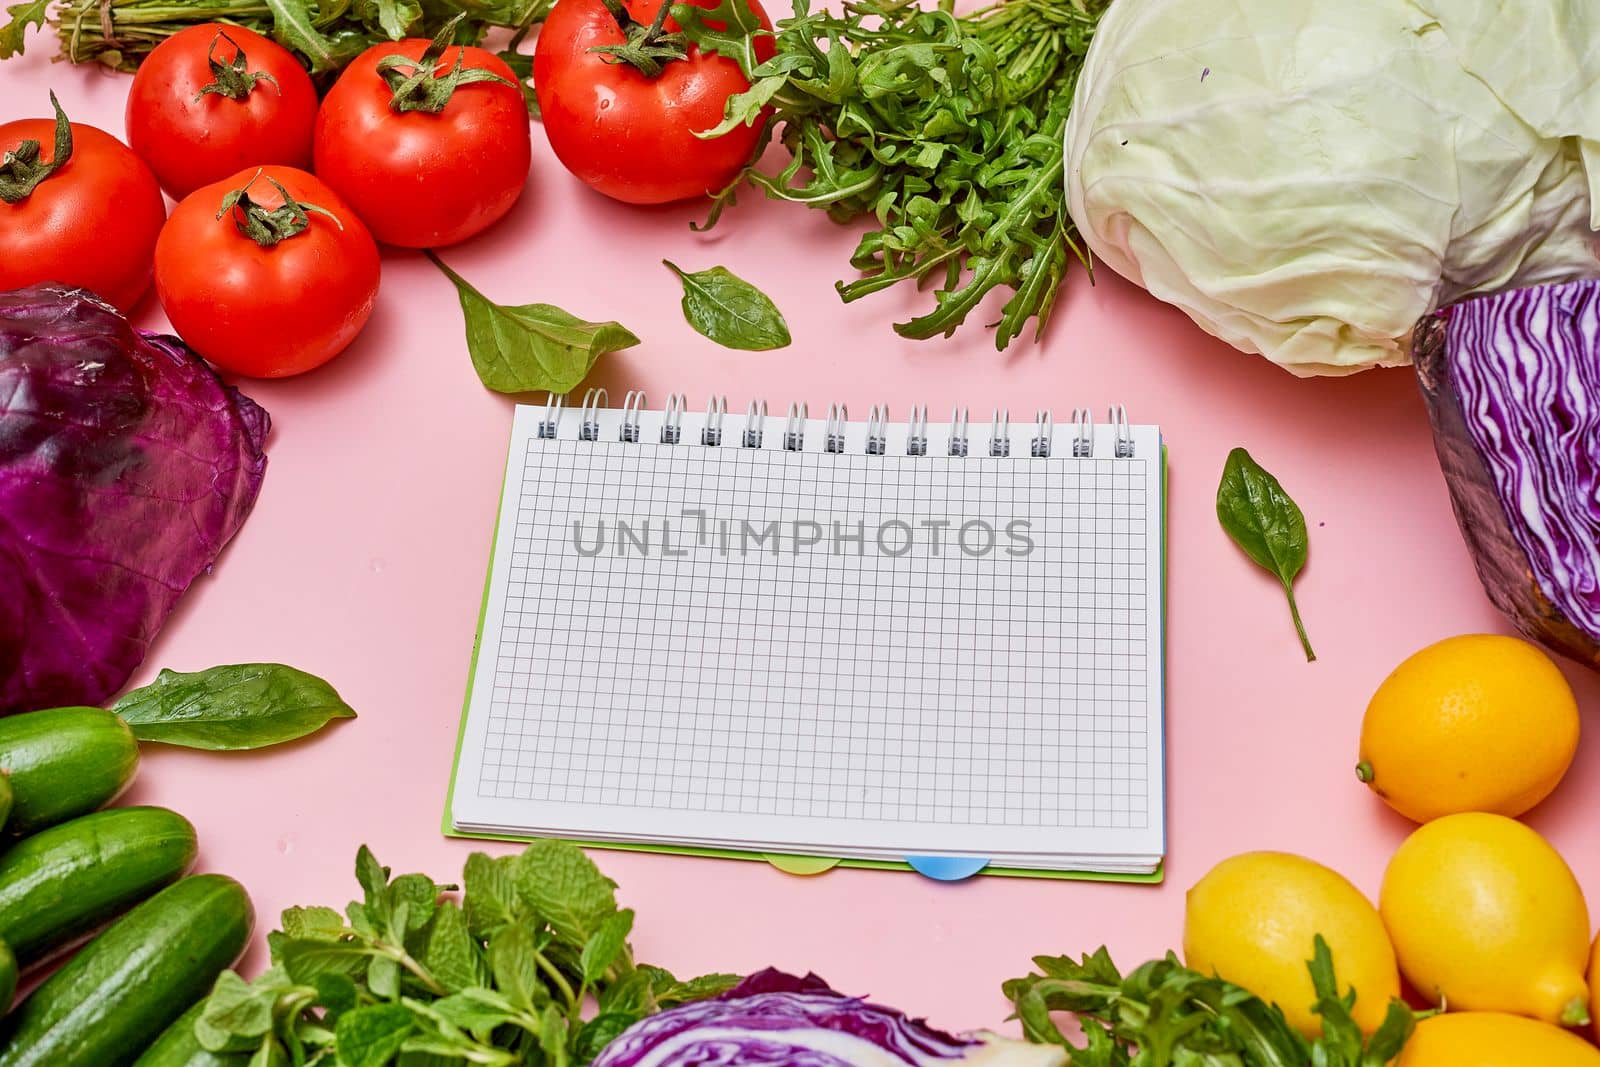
[1309, 178]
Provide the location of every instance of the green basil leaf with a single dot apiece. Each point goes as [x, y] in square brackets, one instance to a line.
[566, 889]
[730, 311]
[605, 945]
[533, 347]
[234, 707]
[372, 1036]
[1255, 511]
[23, 15]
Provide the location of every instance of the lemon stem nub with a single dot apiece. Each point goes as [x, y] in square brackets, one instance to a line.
[1364, 771]
[1576, 1013]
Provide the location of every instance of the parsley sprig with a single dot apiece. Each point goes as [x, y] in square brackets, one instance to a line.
[530, 965]
[1164, 1014]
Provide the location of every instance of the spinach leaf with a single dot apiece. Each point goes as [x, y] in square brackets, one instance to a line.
[1255, 511]
[233, 707]
[730, 311]
[532, 347]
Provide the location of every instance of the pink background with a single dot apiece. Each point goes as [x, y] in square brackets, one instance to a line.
[364, 562]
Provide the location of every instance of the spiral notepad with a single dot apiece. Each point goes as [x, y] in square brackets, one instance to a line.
[873, 641]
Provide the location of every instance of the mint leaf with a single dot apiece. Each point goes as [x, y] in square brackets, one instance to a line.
[235, 707]
[515, 963]
[553, 1037]
[373, 876]
[270, 1054]
[1255, 511]
[599, 1032]
[372, 1036]
[336, 993]
[490, 895]
[314, 923]
[673, 992]
[605, 945]
[383, 977]
[566, 889]
[730, 311]
[305, 960]
[452, 956]
[532, 347]
[478, 1011]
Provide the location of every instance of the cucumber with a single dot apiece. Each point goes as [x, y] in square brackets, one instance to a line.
[178, 1047]
[8, 976]
[117, 995]
[66, 882]
[5, 799]
[63, 763]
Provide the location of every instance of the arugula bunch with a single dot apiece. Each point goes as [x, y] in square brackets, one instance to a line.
[531, 966]
[944, 130]
[1166, 1015]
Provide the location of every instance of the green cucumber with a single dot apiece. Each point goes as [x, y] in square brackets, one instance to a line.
[8, 976]
[5, 799]
[116, 996]
[66, 882]
[63, 763]
[178, 1047]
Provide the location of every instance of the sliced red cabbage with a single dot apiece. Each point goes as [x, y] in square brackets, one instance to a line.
[776, 1018]
[125, 467]
[1513, 389]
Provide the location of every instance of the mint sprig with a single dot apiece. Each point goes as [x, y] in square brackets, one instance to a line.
[529, 964]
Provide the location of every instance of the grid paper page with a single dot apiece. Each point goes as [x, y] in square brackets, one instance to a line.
[846, 654]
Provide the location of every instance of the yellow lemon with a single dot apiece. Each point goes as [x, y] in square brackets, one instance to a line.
[1485, 914]
[1254, 921]
[1594, 986]
[1492, 1039]
[1473, 723]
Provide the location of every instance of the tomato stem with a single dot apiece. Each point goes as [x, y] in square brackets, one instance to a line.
[424, 90]
[646, 48]
[233, 79]
[268, 227]
[20, 169]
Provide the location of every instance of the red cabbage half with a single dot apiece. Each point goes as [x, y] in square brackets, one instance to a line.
[125, 466]
[1512, 383]
[776, 1018]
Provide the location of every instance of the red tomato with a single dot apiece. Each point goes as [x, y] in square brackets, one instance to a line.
[267, 310]
[628, 135]
[213, 99]
[90, 222]
[433, 169]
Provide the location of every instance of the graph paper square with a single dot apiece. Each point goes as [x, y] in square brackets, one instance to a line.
[808, 650]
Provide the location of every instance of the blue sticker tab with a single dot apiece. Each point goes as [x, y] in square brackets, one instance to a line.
[947, 868]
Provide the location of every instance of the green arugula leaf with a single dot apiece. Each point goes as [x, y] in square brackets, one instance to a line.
[521, 65]
[566, 889]
[12, 34]
[239, 706]
[1255, 511]
[730, 311]
[532, 347]
[295, 27]
[728, 29]
[372, 1036]
[452, 956]
[605, 945]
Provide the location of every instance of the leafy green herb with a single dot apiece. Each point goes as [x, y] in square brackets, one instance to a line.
[1165, 1014]
[238, 706]
[944, 130]
[533, 346]
[326, 36]
[730, 311]
[530, 966]
[1259, 516]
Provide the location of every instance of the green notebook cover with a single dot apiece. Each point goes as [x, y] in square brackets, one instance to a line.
[796, 865]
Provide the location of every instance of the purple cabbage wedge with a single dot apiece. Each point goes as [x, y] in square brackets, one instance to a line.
[125, 466]
[776, 1018]
[1512, 383]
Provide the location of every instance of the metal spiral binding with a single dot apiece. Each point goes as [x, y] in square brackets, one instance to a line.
[1082, 433]
[1044, 435]
[755, 422]
[589, 426]
[958, 432]
[878, 430]
[917, 432]
[632, 411]
[833, 432]
[551, 423]
[1122, 431]
[1000, 433]
[672, 419]
[716, 412]
[794, 429]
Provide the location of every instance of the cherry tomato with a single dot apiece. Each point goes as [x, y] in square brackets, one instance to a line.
[268, 273]
[429, 160]
[77, 207]
[626, 132]
[213, 99]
